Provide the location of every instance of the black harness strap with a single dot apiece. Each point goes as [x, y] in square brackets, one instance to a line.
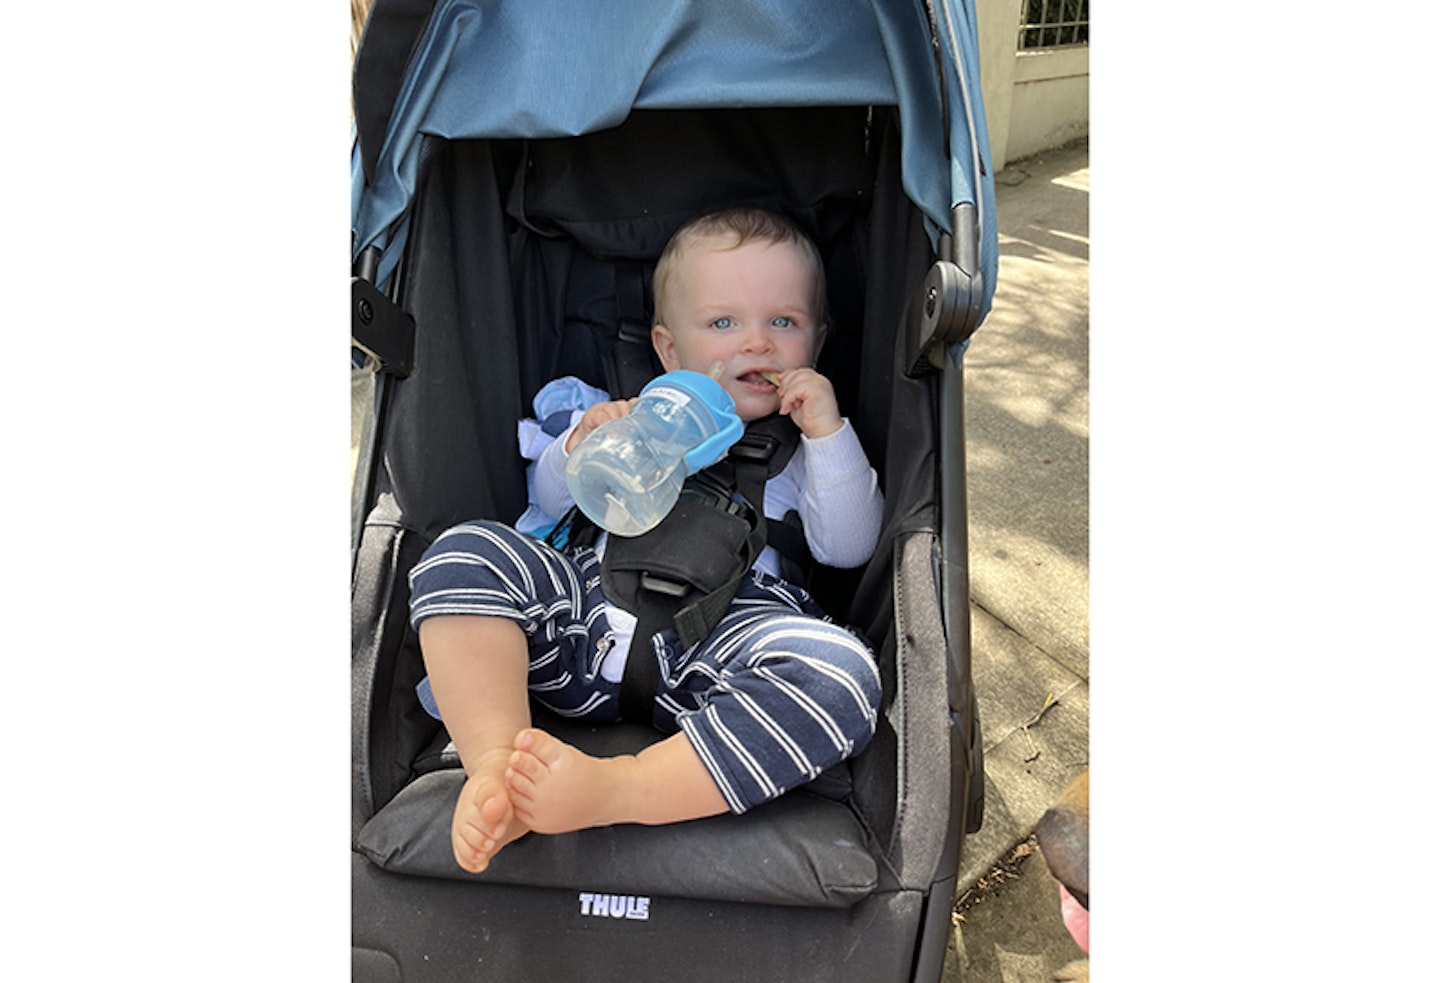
[762, 452]
[788, 537]
[694, 622]
[745, 468]
[641, 680]
[631, 361]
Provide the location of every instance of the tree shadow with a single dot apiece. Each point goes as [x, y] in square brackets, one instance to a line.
[1027, 409]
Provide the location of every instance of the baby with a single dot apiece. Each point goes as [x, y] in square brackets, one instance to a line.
[773, 696]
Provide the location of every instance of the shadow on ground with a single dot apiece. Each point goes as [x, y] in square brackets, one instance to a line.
[1027, 453]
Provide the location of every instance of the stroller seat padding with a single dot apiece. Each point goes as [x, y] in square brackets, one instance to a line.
[800, 849]
[805, 849]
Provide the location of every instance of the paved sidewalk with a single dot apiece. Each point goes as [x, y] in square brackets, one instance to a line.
[1027, 423]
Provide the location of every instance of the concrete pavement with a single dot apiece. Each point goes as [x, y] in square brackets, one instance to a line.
[1027, 423]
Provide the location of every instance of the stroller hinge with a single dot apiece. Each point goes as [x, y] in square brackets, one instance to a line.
[948, 308]
[380, 329]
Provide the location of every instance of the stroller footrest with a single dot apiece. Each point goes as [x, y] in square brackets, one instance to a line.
[800, 849]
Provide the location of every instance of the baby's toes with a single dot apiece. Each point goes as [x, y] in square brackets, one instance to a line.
[468, 843]
[495, 816]
[524, 772]
[546, 748]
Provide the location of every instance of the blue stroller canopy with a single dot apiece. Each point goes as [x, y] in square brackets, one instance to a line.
[556, 68]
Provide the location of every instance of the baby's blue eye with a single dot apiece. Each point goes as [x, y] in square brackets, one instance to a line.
[723, 323]
[782, 322]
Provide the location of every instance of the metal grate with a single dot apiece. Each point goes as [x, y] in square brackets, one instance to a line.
[1052, 23]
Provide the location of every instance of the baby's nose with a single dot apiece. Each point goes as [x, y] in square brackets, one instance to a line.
[756, 339]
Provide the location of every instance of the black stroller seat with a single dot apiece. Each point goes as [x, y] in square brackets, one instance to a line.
[531, 259]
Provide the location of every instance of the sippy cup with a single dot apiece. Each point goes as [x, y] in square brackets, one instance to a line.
[626, 475]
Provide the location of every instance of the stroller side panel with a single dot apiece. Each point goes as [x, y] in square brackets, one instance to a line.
[389, 728]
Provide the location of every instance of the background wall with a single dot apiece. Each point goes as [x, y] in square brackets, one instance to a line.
[1034, 100]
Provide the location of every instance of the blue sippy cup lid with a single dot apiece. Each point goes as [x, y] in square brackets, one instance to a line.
[718, 401]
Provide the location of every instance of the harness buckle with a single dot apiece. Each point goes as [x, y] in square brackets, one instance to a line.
[660, 585]
[754, 447]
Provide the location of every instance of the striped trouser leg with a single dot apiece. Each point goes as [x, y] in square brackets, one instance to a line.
[772, 698]
[488, 569]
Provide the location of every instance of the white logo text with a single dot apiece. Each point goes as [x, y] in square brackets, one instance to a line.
[615, 906]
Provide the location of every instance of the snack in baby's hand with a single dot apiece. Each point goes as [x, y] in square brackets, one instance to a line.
[771, 377]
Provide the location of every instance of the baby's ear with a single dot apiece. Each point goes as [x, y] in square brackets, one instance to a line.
[664, 343]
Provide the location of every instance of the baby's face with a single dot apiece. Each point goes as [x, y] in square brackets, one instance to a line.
[747, 308]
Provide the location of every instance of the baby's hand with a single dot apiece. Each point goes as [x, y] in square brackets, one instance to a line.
[596, 415]
[809, 399]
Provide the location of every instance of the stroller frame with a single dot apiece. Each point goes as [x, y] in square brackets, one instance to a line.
[897, 368]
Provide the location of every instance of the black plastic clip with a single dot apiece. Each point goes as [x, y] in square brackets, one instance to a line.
[753, 447]
[380, 329]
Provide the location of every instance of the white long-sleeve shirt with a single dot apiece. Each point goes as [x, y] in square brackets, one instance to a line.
[829, 481]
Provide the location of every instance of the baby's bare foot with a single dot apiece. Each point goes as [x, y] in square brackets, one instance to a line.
[484, 819]
[556, 788]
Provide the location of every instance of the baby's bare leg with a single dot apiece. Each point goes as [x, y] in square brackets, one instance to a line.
[555, 787]
[479, 668]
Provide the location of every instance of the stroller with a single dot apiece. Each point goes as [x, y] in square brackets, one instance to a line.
[517, 170]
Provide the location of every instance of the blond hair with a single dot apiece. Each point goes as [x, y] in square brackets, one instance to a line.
[745, 224]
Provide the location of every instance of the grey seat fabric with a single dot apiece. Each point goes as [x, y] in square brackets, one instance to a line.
[806, 848]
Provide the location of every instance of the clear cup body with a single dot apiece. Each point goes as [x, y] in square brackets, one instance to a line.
[626, 475]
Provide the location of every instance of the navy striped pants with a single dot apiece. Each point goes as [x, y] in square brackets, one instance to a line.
[774, 696]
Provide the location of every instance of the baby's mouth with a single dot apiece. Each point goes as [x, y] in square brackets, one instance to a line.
[763, 381]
